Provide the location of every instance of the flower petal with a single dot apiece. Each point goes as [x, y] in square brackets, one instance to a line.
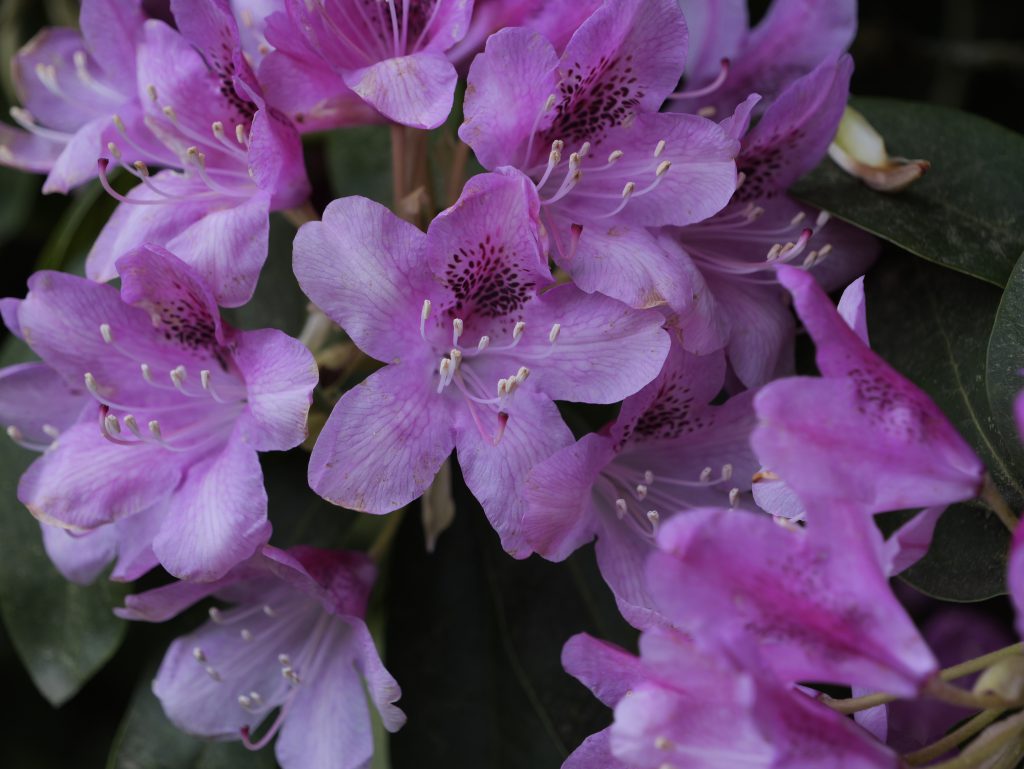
[34, 397]
[384, 442]
[82, 558]
[607, 670]
[415, 90]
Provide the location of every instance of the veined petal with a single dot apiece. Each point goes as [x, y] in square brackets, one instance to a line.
[363, 266]
[494, 472]
[717, 29]
[415, 90]
[28, 152]
[79, 558]
[280, 374]
[36, 400]
[112, 31]
[76, 163]
[509, 84]
[607, 670]
[384, 442]
[218, 517]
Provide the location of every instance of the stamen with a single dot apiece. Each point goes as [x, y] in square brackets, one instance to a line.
[620, 508]
[51, 431]
[240, 134]
[710, 88]
[705, 474]
[178, 378]
[111, 424]
[424, 314]
[822, 219]
[91, 384]
[199, 655]
[147, 374]
[133, 426]
[522, 374]
[659, 148]
[284, 660]
[734, 497]
[797, 219]
[653, 517]
[268, 610]
[244, 701]
[246, 634]
[482, 344]
[641, 492]
[291, 675]
[648, 477]
[726, 472]
[457, 327]
[517, 330]
[216, 615]
[556, 328]
[105, 333]
[613, 156]
[444, 370]
[213, 674]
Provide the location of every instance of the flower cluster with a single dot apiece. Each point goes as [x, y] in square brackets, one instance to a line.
[629, 241]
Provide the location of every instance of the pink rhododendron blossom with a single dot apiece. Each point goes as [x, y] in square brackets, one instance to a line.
[860, 434]
[478, 344]
[677, 706]
[331, 55]
[165, 445]
[294, 639]
[668, 451]
[229, 159]
[69, 84]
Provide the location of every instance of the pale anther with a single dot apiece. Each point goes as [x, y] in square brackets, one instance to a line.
[797, 219]
[246, 634]
[151, 92]
[550, 102]
[218, 129]
[204, 378]
[648, 477]
[147, 374]
[15, 434]
[90, 383]
[705, 474]
[734, 497]
[653, 517]
[216, 614]
[614, 156]
[641, 491]
[284, 660]
[105, 333]
[244, 701]
[517, 330]
[663, 167]
[662, 743]
[240, 133]
[457, 328]
[212, 673]
[522, 374]
[660, 148]
[268, 610]
[726, 472]
[627, 190]
[198, 654]
[822, 219]
[584, 149]
[482, 344]
[111, 424]
[114, 150]
[553, 333]
[51, 431]
[141, 167]
[620, 508]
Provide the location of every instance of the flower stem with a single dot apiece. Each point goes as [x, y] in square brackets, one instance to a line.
[969, 759]
[382, 543]
[856, 704]
[397, 165]
[301, 214]
[954, 695]
[962, 733]
[991, 496]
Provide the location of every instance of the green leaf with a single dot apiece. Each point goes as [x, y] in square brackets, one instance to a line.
[933, 326]
[359, 162]
[63, 633]
[17, 195]
[475, 639]
[1006, 356]
[965, 213]
[147, 740]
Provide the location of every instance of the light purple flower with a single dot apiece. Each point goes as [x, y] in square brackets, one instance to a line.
[331, 54]
[479, 345]
[676, 706]
[293, 638]
[861, 434]
[792, 38]
[69, 83]
[180, 405]
[800, 604]
[608, 165]
[668, 451]
[739, 304]
[228, 158]
[1015, 578]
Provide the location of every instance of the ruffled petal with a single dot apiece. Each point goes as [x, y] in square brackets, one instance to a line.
[280, 374]
[415, 90]
[494, 473]
[384, 442]
[218, 518]
[363, 266]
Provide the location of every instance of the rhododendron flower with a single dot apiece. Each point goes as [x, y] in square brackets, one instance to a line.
[799, 604]
[739, 304]
[229, 159]
[678, 707]
[861, 433]
[668, 451]
[792, 38]
[585, 127]
[70, 82]
[180, 405]
[478, 344]
[389, 54]
[295, 639]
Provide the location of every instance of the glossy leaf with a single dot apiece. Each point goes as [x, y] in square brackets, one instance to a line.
[475, 639]
[1006, 356]
[63, 633]
[965, 213]
[933, 326]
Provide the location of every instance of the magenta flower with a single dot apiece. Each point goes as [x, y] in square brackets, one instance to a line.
[740, 305]
[668, 451]
[863, 434]
[678, 707]
[1015, 577]
[294, 638]
[479, 345]
[799, 604]
[792, 38]
[331, 54]
[585, 127]
[229, 159]
[180, 405]
[70, 82]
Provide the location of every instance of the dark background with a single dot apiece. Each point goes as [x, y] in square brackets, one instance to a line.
[967, 54]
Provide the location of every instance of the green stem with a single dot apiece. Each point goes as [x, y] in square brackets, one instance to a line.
[969, 759]
[301, 214]
[856, 704]
[962, 733]
[382, 544]
[991, 496]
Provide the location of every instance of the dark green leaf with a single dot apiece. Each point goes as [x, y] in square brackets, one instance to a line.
[475, 639]
[965, 213]
[62, 632]
[17, 195]
[147, 740]
[359, 162]
[1006, 356]
[933, 325]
